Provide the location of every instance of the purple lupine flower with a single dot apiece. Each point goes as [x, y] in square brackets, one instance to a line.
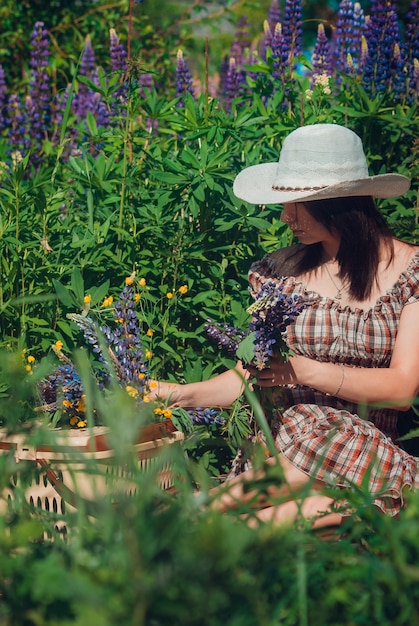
[123, 342]
[347, 38]
[82, 99]
[266, 40]
[411, 49]
[16, 124]
[145, 81]
[241, 41]
[292, 29]
[119, 65]
[184, 82]
[118, 53]
[272, 312]
[235, 83]
[226, 336]
[3, 99]
[126, 340]
[39, 86]
[280, 59]
[383, 39]
[63, 389]
[322, 56]
[274, 15]
[206, 416]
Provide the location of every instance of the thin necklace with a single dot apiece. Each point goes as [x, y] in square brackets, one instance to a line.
[338, 295]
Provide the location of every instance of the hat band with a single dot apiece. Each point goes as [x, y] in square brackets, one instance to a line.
[283, 188]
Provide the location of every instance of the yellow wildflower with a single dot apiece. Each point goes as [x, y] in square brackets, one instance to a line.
[141, 375]
[150, 332]
[119, 320]
[169, 295]
[148, 354]
[74, 420]
[137, 296]
[31, 359]
[131, 391]
[87, 299]
[58, 345]
[67, 404]
[129, 280]
[146, 398]
[158, 411]
[108, 301]
[167, 413]
[80, 405]
[142, 282]
[183, 289]
[28, 368]
[153, 384]
[82, 424]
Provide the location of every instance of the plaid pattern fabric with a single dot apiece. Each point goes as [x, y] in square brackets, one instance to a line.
[328, 438]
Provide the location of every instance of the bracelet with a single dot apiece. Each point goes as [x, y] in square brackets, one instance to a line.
[341, 380]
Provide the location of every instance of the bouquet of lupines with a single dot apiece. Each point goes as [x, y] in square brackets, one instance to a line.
[272, 311]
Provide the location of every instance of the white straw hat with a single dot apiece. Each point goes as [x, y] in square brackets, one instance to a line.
[318, 161]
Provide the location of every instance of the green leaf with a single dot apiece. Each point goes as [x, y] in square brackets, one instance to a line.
[63, 294]
[246, 350]
[77, 284]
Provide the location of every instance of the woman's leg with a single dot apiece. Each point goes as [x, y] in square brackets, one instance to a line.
[316, 507]
[241, 490]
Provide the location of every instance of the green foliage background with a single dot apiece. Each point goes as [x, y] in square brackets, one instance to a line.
[153, 194]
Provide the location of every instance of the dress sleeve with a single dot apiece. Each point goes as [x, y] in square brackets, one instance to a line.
[411, 283]
[273, 266]
[260, 271]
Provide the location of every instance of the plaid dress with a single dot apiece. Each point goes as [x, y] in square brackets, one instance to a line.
[328, 438]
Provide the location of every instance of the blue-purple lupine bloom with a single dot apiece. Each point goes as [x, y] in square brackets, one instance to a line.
[266, 40]
[272, 312]
[119, 65]
[117, 52]
[274, 14]
[184, 82]
[3, 98]
[383, 39]
[16, 120]
[347, 40]
[280, 54]
[322, 56]
[82, 99]
[226, 336]
[206, 416]
[235, 83]
[123, 342]
[241, 42]
[292, 29]
[411, 49]
[39, 85]
[63, 387]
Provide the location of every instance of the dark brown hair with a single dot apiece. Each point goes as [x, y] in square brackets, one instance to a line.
[363, 231]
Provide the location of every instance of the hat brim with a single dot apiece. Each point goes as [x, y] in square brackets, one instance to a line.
[254, 184]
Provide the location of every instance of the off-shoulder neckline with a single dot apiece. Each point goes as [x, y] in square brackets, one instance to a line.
[331, 302]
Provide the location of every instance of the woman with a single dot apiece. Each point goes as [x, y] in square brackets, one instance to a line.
[355, 345]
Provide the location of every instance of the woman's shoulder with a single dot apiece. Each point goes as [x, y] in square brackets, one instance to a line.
[406, 256]
[279, 263]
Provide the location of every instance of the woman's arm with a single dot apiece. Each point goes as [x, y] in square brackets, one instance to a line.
[220, 391]
[395, 386]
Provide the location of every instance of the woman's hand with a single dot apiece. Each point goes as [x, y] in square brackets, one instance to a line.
[277, 374]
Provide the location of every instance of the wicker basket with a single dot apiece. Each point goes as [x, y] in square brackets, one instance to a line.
[80, 464]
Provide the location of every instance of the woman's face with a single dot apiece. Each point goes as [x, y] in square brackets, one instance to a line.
[304, 226]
